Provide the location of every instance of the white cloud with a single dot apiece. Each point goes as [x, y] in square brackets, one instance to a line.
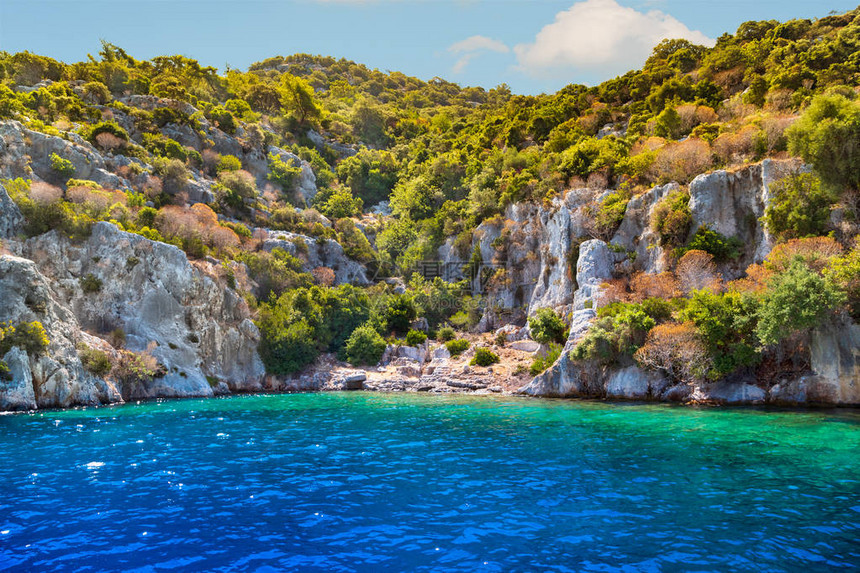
[476, 43]
[472, 47]
[601, 35]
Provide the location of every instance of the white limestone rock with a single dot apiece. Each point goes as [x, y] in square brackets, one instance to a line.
[634, 383]
[326, 253]
[17, 392]
[635, 234]
[835, 362]
[58, 378]
[594, 267]
[11, 220]
[202, 329]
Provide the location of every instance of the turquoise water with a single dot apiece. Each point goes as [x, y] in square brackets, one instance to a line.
[381, 482]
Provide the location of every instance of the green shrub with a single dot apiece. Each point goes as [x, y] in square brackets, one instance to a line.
[223, 119]
[799, 207]
[83, 183]
[671, 219]
[721, 247]
[5, 373]
[28, 336]
[337, 203]
[597, 344]
[619, 331]
[541, 363]
[110, 127]
[234, 187]
[845, 272]
[827, 136]
[90, 283]
[163, 146]
[400, 313]
[546, 326]
[62, 167]
[282, 173]
[611, 212]
[228, 163]
[95, 361]
[457, 346]
[500, 339]
[484, 357]
[445, 334]
[725, 321]
[415, 337]
[796, 299]
[146, 217]
[436, 300]
[285, 348]
[364, 346]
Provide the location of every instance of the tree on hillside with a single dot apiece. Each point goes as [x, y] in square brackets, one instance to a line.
[828, 137]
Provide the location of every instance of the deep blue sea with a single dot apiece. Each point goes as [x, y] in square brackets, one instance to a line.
[404, 482]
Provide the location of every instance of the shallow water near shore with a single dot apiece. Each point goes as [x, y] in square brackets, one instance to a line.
[370, 482]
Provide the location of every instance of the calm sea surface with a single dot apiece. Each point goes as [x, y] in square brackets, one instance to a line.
[384, 482]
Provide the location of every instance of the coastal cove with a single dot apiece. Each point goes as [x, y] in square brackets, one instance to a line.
[368, 480]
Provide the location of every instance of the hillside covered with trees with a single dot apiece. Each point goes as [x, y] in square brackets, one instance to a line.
[322, 192]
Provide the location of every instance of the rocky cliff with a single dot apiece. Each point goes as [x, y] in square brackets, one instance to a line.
[117, 292]
[142, 295]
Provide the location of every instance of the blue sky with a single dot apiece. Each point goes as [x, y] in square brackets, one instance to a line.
[534, 46]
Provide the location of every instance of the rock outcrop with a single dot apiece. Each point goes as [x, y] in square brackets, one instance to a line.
[11, 219]
[198, 330]
[319, 253]
[732, 203]
[835, 362]
[634, 235]
[56, 377]
[27, 153]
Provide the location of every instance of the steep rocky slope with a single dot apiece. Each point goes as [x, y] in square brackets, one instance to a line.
[117, 292]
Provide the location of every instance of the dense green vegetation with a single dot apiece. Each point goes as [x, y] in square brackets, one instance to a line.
[445, 158]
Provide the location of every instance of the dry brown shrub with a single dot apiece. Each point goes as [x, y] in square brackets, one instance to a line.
[224, 238]
[696, 271]
[755, 281]
[109, 141]
[706, 114]
[774, 128]
[692, 115]
[735, 109]
[323, 276]
[205, 215]
[151, 186]
[210, 160]
[676, 350]
[816, 252]
[576, 182]
[598, 180]
[681, 161]
[612, 291]
[647, 144]
[735, 147]
[590, 123]
[649, 285]
[779, 100]
[45, 193]
[197, 221]
[86, 196]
